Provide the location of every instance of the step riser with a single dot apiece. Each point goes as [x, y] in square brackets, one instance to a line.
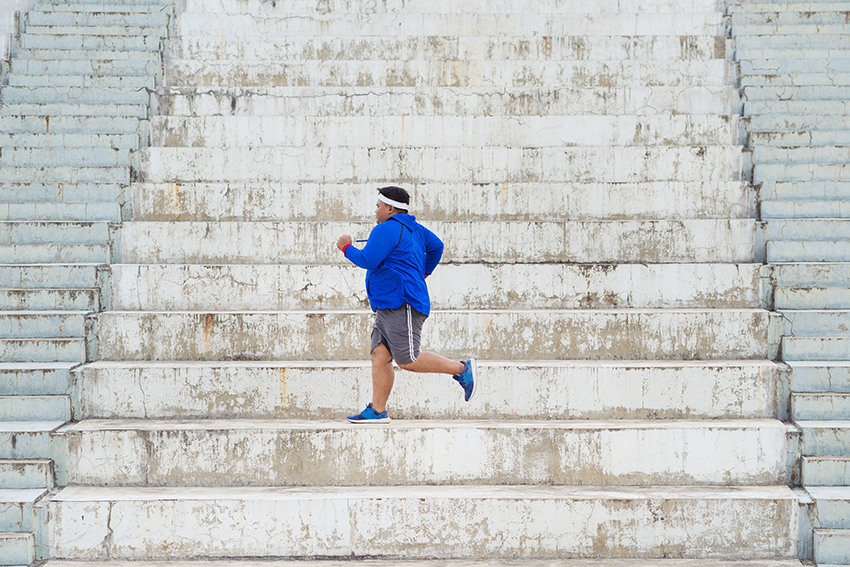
[83, 212]
[180, 287]
[486, 165]
[801, 138]
[65, 300]
[805, 209]
[280, 243]
[63, 174]
[823, 407]
[47, 157]
[18, 550]
[449, 73]
[791, 41]
[444, 202]
[84, 67]
[810, 251]
[34, 382]
[77, 110]
[93, 55]
[16, 517]
[75, 40]
[48, 276]
[32, 324]
[765, 155]
[622, 335]
[154, 32]
[338, 527]
[467, 455]
[26, 474]
[815, 348]
[812, 298]
[406, 24]
[89, 83]
[820, 378]
[61, 139]
[34, 232]
[43, 350]
[826, 472]
[56, 253]
[36, 18]
[823, 190]
[504, 391]
[816, 323]
[832, 547]
[63, 193]
[825, 440]
[424, 132]
[444, 102]
[60, 94]
[35, 408]
[587, 48]
[789, 17]
[806, 65]
[800, 172]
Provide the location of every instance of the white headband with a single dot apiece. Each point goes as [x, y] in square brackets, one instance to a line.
[396, 204]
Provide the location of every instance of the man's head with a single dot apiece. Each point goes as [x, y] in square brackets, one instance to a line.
[391, 200]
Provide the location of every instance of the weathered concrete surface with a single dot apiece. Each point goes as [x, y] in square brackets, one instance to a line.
[26, 473]
[654, 562]
[506, 390]
[683, 241]
[251, 287]
[826, 471]
[444, 132]
[573, 334]
[444, 165]
[479, 101]
[444, 202]
[510, 522]
[334, 453]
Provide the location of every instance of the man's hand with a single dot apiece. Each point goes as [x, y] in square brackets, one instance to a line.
[343, 241]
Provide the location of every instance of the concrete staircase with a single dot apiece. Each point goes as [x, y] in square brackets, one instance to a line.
[582, 163]
[794, 58]
[74, 106]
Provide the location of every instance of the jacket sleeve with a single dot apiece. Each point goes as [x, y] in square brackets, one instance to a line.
[382, 241]
[433, 250]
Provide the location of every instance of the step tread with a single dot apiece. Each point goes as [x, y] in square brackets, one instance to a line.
[29, 495]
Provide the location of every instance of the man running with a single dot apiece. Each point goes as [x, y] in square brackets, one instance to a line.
[398, 256]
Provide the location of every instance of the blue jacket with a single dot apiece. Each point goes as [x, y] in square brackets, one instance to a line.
[397, 256]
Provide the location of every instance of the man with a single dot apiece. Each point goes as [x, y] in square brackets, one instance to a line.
[398, 256]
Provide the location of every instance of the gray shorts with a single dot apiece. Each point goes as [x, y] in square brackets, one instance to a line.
[400, 331]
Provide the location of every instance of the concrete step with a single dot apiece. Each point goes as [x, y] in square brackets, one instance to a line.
[811, 323]
[116, 7]
[42, 324]
[616, 334]
[62, 156]
[58, 192]
[25, 254]
[57, 112]
[49, 299]
[62, 211]
[800, 138]
[808, 251]
[41, 276]
[42, 350]
[47, 407]
[826, 471]
[17, 504]
[47, 232]
[824, 348]
[825, 438]
[273, 452]
[441, 202]
[445, 48]
[68, 140]
[450, 165]
[805, 274]
[73, 127]
[831, 376]
[94, 56]
[425, 101]
[77, 40]
[814, 63]
[790, 16]
[827, 78]
[744, 44]
[154, 32]
[761, 520]
[795, 122]
[534, 74]
[421, 131]
[687, 241]
[33, 440]
[785, 6]
[88, 82]
[66, 174]
[807, 229]
[808, 190]
[577, 389]
[805, 209]
[800, 172]
[832, 503]
[764, 155]
[17, 548]
[832, 546]
[473, 23]
[812, 297]
[26, 473]
[76, 94]
[98, 67]
[163, 287]
[556, 7]
[35, 379]
[790, 29]
[85, 19]
[820, 406]
[781, 55]
[761, 98]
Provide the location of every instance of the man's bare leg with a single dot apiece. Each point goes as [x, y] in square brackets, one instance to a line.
[383, 377]
[430, 362]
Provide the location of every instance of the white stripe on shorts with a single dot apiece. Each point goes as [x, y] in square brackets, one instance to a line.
[410, 333]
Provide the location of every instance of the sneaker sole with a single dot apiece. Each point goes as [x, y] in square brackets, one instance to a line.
[380, 420]
[474, 365]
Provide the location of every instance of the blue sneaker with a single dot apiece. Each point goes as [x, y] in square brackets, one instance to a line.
[369, 415]
[466, 378]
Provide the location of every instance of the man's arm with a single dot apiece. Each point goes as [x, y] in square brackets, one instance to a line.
[433, 251]
[382, 241]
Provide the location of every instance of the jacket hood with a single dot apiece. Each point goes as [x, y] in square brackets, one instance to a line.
[407, 220]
